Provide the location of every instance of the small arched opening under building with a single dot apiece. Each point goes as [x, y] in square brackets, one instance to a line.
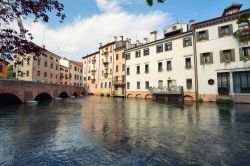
[64, 95]
[9, 99]
[43, 97]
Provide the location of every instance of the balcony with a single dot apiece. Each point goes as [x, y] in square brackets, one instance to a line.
[105, 75]
[174, 90]
[119, 83]
[243, 35]
[93, 61]
[93, 71]
[105, 63]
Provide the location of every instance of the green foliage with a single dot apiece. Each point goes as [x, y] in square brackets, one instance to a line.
[10, 72]
[151, 2]
[221, 101]
[243, 18]
[199, 100]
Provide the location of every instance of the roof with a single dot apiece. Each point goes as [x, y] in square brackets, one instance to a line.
[1, 60]
[76, 63]
[108, 44]
[89, 55]
[233, 6]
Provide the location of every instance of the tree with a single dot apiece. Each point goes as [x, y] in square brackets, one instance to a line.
[10, 71]
[15, 11]
[151, 2]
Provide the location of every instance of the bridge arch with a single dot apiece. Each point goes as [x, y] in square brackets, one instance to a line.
[129, 95]
[64, 95]
[9, 99]
[188, 97]
[43, 97]
[138, 96]
[148, 96]
[75, 94]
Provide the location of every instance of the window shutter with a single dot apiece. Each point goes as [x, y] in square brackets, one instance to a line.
[221, 56]
[241, 54]
[232, 55]
[183, 42]
[197, 36]
[219, 32]
[207, 35]
[201, 59]
[231, 29]
[211, 57]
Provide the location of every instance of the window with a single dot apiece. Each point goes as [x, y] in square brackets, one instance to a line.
[225, 30]
[223, 83]
[56, 67]
[128, 71]
[123, 67]
[101, 85]
[241, 81]
[160, 67]
[56, 76]
[187, 42]
[105, 85]
[189, 83]
[84, 78]
[138, 85]
[51, 65]
[45, 64]
[117, 56]
[146, 51]
[245, 53]
[51, 76]
[89, 77]
[169, 66]
[38, 62]
[202, 35]
[146, 68]
[168, 46]
[123, 55]
[109, 84]
[38, 73]
[27, 73]
[127, 56]
[206, 58]
[75, 68]
[159, 48]
[1, 68]
[138, 53]
[188, 64]
[51, 58]
[146, 84]
[128, 85]
[227, 56]
[137, 69]
[160, 84]
[45, 74]
[116, 68]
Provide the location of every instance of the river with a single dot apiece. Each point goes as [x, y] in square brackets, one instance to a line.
[115, 131]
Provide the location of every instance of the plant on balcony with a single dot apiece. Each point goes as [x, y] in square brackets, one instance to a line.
[241, 34]
[227, 62]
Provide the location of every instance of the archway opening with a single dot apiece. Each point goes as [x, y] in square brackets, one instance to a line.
[9, 99]
[108, 95]
[64, 95]
[102, 94]
[148, 96]
[138, 96]
[43, 97]
[75, 94]
[129, 96]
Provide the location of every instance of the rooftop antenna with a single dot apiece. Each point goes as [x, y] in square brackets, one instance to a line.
[177, 20]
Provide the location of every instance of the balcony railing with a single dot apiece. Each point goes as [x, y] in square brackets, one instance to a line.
[119, 83]
[166, 90]
[243, 35]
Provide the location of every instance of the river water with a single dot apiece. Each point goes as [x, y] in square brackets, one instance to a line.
[115, 131]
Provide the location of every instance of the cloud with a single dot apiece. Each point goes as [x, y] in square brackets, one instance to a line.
[84, 35]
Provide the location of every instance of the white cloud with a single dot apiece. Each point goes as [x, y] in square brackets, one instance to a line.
[84, 34]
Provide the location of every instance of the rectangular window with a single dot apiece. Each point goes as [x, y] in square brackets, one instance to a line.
[27, 73]
[45, 74]
[146, 51]
[109, 84]
[51, 76]
[56, 67]
[146, 68]
[169, 66]
[38, 61]
[128, 85]
[160, 84]
[189, 83]
[138, 85]
[88, 77]
[188, 64]
[206, 58]
[101, 85]
[117, 56]
[127, 56]
[202, 35]
[159, 48]
[116, 68]
[225, 30]
[45, 64]
[227, 56]
[187, 42]
[160, 69]
[146, 84]
[223, 81]
[168, 46]
[123, 55]
[137, 69]
[1, 68]
[241, 81]
[51, 65]
[105, 85]
[84, 78]
[128, 71]
[245, 53]
[123, 67]
[38, 73]
[138, 53]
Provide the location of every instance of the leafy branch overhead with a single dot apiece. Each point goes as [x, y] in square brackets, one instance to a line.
[151, 2]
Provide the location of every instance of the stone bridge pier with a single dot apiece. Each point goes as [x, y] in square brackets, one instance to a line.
[22, 91]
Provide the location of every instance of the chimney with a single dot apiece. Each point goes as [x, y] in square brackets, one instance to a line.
[121, 38]
[100, 44]
[138, 42]
[145, 40]
[43, 46]
[115, 38]
[154, 35]
[191, 23]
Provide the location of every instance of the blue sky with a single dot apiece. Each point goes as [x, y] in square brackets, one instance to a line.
[90, 22]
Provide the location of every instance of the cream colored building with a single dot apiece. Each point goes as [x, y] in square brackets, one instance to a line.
[44, 68]
[162, 67]
[223, 64]
[91, 64]
[64, 75]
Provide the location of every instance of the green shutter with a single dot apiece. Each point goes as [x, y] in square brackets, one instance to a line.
[232, 55]
[211, 58]
[207, 34]
[231, 29]
[201, 59]
[219, 32]
[183, 42]
[241, 54]
[221, 57]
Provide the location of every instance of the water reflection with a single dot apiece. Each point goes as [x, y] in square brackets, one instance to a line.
[115, 131]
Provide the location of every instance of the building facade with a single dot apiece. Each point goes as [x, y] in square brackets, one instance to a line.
[3, 69]
[64, 75]
[222, 59]
[165, 65]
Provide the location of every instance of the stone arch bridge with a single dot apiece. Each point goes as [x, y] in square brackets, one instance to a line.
[22, 91]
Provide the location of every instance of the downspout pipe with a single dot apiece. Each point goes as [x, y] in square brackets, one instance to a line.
[195, 66]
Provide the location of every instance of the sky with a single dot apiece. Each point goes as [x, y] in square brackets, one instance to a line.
[90, 22]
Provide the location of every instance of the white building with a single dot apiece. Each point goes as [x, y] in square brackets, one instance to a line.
[165, 66]
[222, 70]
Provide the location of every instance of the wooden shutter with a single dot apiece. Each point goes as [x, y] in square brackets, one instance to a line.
[231, 29]
[241, 54]
[221, 56]
[219, 32]
[207, 34]
[201, 59]
[211, 57]
[232, 55]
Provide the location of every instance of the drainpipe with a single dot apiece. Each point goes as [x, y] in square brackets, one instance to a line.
[113, 61]
[195, 65]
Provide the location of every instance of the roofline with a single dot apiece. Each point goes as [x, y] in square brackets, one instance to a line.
[97, 52]
[108, 44]
[159, 40]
